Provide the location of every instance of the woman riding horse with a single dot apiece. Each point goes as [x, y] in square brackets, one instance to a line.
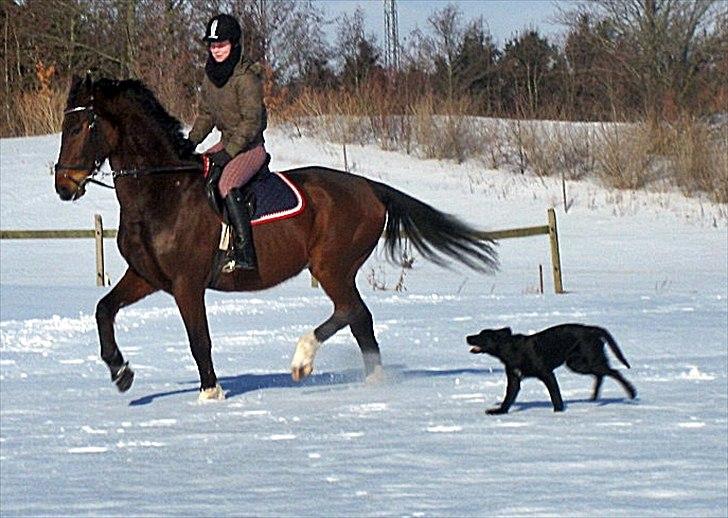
[232, 100]
[168, 233]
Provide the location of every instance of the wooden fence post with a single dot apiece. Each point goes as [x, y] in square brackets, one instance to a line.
[99, 238]
[555, 255]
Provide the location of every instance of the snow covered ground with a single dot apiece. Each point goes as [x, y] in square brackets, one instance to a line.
[652, 268]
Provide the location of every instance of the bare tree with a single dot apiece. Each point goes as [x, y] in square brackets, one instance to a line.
[357, 52]
[657, 42]
[446, 25]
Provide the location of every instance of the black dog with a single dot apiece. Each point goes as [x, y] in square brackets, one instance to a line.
[580, 347]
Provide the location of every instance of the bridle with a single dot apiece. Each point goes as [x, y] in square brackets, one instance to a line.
[95, 168]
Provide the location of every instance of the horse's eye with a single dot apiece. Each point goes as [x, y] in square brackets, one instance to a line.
[76, 130]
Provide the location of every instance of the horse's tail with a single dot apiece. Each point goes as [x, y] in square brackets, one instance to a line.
[434, 234]
[612, 343]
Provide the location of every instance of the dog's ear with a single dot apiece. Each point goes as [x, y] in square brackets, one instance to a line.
[506, 331]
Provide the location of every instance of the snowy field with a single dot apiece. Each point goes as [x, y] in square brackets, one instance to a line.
[652, 268]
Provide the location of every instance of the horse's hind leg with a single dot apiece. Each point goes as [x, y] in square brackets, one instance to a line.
[128, 290]
[349, 309]
[362, 327]
[308, 344]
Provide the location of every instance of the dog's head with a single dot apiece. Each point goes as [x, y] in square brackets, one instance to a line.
[489, 341]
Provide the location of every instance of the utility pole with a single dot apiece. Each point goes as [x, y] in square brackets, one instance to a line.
[391, 35]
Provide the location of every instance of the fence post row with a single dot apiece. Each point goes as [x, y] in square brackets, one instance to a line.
[99, 234]
[549, 229]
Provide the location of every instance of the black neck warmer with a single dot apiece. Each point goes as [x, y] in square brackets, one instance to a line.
[219, 73]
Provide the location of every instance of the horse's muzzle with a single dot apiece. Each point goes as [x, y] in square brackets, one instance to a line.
[68, 188]
[64, 192]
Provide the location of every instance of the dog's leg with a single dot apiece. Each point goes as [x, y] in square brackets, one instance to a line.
[514, 385]
[626, 384]
[553, 387]
[598, 378]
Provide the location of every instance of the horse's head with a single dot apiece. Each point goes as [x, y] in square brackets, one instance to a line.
[87, 139]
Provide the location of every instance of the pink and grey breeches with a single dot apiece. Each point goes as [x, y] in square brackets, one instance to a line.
[240, 169]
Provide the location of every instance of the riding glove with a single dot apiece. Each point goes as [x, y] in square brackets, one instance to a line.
[220, 159]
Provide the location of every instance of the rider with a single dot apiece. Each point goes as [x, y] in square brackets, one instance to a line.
[231, 98]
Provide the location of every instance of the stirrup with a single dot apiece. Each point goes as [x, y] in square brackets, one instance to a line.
[228, 266]
[231, 264]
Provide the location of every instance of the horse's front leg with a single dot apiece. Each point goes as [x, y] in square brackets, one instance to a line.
[128, 290]
[191, 304]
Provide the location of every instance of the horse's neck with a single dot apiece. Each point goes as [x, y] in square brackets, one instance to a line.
[142, 194]
[136, 150]
[143, 144]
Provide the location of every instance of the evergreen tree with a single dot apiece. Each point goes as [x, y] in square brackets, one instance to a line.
[474, 67]
[531, 70]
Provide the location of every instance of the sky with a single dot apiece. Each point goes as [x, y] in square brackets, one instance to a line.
[504, 18]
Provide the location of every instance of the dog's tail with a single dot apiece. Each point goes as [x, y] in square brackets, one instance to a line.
[615, 348]
[436, 235]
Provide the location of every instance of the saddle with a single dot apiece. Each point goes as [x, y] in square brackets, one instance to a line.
[268, 196]
[217, 203]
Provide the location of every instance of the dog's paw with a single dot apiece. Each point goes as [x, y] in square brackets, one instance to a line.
[558, 408]
[495, 411]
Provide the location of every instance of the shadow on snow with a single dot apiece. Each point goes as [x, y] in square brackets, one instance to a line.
[243, 383]
[237, 385]
[520, 407]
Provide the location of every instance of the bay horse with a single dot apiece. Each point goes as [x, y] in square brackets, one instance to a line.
[168, 232]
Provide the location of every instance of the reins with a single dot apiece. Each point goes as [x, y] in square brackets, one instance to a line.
[130, 172]
[154, 170]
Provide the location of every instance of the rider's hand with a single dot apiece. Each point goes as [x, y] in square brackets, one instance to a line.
[220, 159]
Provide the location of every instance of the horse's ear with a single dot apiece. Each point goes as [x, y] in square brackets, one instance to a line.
[75, 81]
[88, 81]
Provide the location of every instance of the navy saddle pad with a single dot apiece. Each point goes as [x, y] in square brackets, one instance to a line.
[276, 198]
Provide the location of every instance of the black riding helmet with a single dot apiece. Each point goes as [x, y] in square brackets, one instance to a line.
[221, 28]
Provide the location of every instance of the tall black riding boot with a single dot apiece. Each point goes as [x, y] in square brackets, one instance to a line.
[243, 256]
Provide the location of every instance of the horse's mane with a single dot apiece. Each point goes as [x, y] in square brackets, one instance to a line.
[148, 106]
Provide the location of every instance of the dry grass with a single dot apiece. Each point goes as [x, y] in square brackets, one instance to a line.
[491, 146]
[539, 150]
[623, 155]
[443, 130]
[687, 154]
[35, 113]
[699, 158]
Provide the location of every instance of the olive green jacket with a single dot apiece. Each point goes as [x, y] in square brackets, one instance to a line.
[236, 109]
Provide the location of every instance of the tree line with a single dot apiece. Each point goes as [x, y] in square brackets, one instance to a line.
[614, 59]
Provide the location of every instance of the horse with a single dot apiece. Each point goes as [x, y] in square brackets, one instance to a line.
[168, 231]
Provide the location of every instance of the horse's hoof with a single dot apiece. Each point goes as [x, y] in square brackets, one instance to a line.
[300, 372]
[303, 356]
[211, 394]
[376, 375]
[124, 378]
